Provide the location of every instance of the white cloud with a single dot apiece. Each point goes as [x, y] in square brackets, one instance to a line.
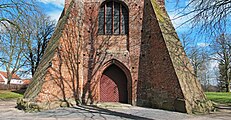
[177, 14]
[55, 12]
[3, 26]
[59, 3]
[179, 21]
[54, 15]
[214, 64]
[202, 44]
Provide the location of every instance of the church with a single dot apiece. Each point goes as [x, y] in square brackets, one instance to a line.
[124, 51]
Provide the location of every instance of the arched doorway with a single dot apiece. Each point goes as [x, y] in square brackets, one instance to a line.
[113, 85]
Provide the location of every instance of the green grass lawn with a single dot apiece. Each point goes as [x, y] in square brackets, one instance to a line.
[219, 97]
[4, 94]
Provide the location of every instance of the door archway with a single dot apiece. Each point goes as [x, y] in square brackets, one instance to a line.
[113, 85]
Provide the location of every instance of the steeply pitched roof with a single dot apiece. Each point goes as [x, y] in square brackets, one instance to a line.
[14, 76]
[1, 79]
[26, 81]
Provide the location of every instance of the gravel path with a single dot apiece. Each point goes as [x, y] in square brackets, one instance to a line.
[8, 111]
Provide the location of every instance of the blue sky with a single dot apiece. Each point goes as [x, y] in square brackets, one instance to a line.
[53, 8]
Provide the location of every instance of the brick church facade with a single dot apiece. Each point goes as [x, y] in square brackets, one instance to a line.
[115, 51]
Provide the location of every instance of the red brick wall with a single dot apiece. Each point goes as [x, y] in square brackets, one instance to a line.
[99, 49]
[63, 80]
[158, 84]
[82, 56]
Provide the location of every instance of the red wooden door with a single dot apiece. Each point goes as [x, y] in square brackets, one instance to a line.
[109, 90]
[113, 85]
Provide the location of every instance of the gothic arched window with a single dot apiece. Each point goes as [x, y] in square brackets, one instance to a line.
[113, 19]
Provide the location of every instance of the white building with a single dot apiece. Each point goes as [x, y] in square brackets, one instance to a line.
[15, 78]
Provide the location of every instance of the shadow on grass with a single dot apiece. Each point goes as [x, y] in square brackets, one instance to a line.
[20, 91]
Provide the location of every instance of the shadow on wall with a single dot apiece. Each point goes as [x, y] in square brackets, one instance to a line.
[166, 78]
[73, 70]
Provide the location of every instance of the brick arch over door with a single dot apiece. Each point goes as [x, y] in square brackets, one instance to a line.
[115, 83]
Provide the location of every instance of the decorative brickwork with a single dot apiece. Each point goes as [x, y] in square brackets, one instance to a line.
[149, 61]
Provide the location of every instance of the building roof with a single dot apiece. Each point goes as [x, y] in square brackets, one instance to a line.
[26, 81]
[1, 79]
[14, 76]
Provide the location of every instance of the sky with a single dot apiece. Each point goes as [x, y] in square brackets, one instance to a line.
[52, 8]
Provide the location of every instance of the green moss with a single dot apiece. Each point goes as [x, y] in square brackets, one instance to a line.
[27, 106]
[203, 107]
[158, 11]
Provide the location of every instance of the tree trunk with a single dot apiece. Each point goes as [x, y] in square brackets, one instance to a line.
[8, 84]
[227, 86]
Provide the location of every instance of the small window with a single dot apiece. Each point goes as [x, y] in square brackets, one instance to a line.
[113, 19]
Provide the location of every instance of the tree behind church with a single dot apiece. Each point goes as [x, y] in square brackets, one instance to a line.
[222, 53]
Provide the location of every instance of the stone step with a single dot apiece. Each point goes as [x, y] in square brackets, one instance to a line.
[113, 105]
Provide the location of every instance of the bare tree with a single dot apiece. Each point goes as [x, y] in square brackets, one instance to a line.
[199, 58]
[24, 37]
[11, 11]
[38, 30]
[206, 16]
[209, 18]
[12, 45]
[222, 53]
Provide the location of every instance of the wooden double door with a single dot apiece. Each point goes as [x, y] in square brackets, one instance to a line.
[113, 85]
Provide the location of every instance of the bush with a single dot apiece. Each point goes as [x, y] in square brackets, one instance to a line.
[12, 87]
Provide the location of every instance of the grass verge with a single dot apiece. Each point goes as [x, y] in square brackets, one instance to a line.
[219, 97]
[4, 94]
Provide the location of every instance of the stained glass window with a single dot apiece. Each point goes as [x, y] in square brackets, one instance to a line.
[101, 18]
[116, 18]
[109, 17]
[113, 18]
[124, 21]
